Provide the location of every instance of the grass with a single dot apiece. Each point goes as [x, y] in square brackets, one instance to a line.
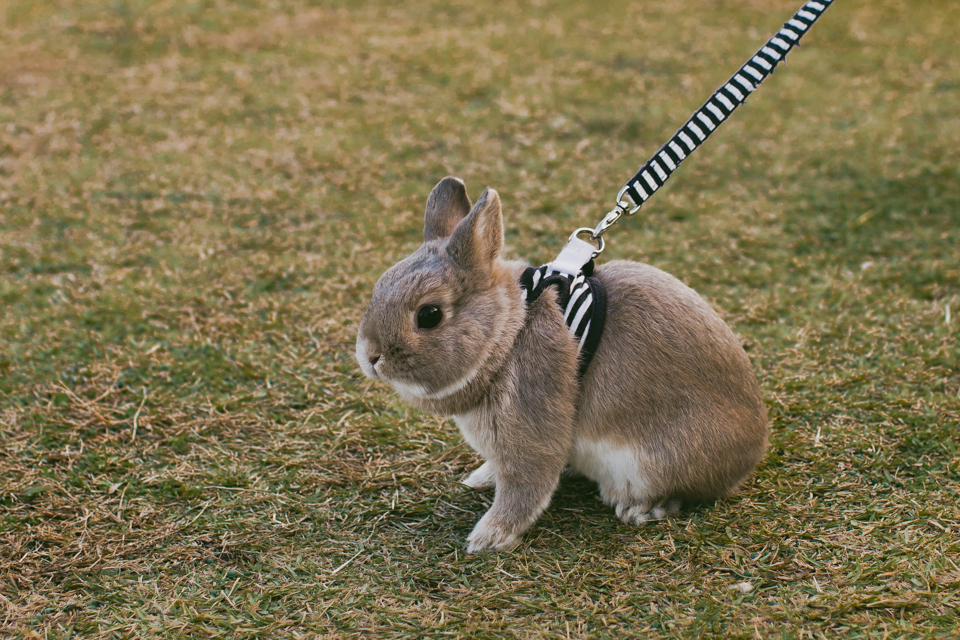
[196, 198]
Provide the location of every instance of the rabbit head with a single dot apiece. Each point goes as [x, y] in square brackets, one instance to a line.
[439, 319]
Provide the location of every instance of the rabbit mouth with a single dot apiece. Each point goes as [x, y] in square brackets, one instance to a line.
[367, 365]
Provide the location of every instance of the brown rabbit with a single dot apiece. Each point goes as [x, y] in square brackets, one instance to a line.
[668, 411]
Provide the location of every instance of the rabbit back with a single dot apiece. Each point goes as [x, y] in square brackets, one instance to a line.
[670, 407]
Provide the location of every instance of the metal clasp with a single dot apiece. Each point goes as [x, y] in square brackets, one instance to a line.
[626, 205]
[587, 230]
[623, 208]
[608, 221]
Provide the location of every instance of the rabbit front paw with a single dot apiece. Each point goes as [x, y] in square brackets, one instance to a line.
[490, 536]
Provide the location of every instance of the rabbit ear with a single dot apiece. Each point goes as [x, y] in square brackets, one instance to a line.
[447, 205]
[478, 239]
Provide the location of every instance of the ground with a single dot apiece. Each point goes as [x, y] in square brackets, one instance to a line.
[196, 198]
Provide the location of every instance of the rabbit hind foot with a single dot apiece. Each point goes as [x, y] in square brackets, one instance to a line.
[636, 513]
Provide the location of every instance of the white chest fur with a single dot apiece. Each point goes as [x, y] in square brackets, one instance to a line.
[477, 430]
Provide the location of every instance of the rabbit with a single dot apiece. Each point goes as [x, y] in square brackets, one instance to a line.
[668, 412]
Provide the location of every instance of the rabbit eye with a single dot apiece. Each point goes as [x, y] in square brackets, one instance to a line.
[429, 316]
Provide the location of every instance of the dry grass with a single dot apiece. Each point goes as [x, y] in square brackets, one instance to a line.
[196, 198]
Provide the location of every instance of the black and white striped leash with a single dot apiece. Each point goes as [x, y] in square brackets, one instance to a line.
[707, 118]
[580, 295]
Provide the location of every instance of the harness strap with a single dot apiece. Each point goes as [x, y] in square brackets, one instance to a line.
[581, 297]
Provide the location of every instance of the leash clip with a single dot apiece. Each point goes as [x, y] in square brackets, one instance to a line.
[625, 204]
[623, 208]
[594, 238]
[608, 221]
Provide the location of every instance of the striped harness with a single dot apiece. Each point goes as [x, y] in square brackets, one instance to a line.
[581, 296]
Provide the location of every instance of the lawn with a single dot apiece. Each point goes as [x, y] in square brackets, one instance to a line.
[197, 196]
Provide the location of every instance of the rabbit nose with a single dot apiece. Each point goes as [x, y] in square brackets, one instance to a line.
[374, 359]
